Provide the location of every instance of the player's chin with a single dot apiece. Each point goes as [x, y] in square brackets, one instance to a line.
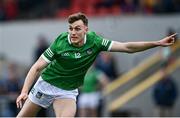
[74, 40]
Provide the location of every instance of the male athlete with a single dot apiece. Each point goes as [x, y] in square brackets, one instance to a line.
[63, 65]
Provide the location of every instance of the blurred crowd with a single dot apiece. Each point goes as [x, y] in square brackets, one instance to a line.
[11, 83]
[44, 9]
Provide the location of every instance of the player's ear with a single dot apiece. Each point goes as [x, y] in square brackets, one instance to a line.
[86, 28]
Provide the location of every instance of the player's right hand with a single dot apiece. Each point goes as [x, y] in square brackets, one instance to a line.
[21, 99]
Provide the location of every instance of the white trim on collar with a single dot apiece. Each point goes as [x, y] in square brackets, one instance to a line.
[69, 40]
[85, 38]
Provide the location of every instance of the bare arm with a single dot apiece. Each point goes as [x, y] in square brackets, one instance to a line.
[30, 78]
[131, 47]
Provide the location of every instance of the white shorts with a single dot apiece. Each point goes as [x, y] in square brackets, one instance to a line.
[43, 93]
[89, 100]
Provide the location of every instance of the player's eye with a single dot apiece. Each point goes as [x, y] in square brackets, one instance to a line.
[70, 28]
[77, 29]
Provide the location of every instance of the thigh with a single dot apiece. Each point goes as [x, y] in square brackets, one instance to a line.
[64, 107]
[29, 109]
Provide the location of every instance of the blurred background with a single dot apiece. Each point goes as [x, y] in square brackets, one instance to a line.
[140, 84]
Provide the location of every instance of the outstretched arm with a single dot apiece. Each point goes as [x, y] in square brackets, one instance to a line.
[30, 78]
[131, 47]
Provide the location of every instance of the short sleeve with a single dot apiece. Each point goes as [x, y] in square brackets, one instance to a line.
[50, 52]
[106, 44]
[103, 43]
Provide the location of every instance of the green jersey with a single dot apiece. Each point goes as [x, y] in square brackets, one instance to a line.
[69, 64]
[91, 80]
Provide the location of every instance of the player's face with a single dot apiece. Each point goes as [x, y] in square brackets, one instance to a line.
[77, 31]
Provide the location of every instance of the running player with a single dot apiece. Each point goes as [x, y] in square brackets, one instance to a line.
[63, 65]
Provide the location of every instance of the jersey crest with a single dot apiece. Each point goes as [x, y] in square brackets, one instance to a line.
[89, 51]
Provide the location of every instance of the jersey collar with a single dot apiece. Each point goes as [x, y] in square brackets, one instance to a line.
[69, 40]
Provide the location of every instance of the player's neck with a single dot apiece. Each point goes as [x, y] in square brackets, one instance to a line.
[79, 44]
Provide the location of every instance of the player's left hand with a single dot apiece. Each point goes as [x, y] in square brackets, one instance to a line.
[167, 41]
[21, 99]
